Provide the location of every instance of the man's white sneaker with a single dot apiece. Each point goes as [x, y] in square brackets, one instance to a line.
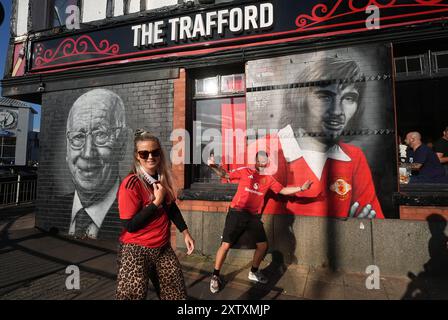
[258, 277]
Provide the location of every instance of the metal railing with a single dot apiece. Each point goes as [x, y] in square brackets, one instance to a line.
[430, 64]
[17, 192]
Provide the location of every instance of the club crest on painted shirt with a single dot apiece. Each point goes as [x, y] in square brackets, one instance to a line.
[341, 187]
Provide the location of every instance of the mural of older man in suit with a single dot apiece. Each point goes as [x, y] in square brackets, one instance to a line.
[96, 135]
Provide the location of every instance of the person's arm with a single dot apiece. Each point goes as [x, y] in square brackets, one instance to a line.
[293, 190]
[140, 219]
[218, 170]
[175, 216]
[442, 159]
[420, 158]
[413, 166]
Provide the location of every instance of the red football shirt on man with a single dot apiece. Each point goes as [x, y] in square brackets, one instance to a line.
[133, 197]
[252, 188]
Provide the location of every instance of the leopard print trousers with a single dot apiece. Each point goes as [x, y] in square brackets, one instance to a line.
[137, 265]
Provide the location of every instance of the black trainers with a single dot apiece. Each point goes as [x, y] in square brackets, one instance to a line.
[215, 284]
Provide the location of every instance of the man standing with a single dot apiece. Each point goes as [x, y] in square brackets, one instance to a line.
[441, 149]
[96, 136]
[315, 115]
[426, 162]
[244, 212]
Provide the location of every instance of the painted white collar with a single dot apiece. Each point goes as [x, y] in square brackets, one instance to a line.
[98, 210]
[292, 151]
[315, 160]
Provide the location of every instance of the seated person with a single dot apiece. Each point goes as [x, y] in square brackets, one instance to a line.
[441, 149]
[426, 162]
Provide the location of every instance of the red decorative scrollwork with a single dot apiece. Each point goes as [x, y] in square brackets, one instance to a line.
[324, 13]
[70, 47]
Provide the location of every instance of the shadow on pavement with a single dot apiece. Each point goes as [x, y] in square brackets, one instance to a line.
[433, 281]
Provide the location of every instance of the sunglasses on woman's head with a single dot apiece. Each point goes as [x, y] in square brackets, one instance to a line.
[145, 154]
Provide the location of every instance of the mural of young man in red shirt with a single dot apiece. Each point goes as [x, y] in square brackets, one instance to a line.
[314, 118]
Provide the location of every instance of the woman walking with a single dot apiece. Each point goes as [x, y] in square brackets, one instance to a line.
[146, 201]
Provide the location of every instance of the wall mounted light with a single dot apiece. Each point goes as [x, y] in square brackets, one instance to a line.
[41, 87]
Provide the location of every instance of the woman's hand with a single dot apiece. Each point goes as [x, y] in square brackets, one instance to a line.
[211, 162]
[307, 185]
[159, 194]
[189, 242]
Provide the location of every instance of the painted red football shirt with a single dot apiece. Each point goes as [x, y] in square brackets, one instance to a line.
[133, 197]
[252, 188]
[341, 185]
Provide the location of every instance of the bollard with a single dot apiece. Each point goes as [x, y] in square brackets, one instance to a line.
[18, 189]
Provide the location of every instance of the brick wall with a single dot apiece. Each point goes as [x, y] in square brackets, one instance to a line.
[204, 206]
[179, 114]
[422, 213]
[148, 105]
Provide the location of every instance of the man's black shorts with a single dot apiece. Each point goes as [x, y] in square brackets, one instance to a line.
[237, 222]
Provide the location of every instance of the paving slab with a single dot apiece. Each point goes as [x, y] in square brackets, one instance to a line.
[319, 290]
[106, 264]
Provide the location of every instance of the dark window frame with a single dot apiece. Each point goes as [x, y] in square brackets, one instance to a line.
[52, 13]
[3, 144]
[206, 190]
[43, 14]
[419, 194]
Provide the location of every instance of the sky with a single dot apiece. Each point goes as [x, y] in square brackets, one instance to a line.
[4, 37]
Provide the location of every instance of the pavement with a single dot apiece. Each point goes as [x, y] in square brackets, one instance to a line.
[33, 266]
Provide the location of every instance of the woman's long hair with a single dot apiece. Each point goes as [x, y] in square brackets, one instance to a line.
[164, 170]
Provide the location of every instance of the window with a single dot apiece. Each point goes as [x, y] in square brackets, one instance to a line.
[58, 12]
[411, 65]
[154, 4]
[133, 6]
[422, 79]
[22, 17]
[94, 10]
[425, 65]
[219, 124]
[440, 61]
[7, 150]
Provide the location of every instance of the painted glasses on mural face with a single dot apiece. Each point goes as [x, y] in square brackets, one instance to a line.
[93, 142]
[328, 109]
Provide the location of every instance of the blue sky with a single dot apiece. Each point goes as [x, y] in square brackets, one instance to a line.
[4, 37]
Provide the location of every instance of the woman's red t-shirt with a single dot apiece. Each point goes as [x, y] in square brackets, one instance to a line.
[133, 197]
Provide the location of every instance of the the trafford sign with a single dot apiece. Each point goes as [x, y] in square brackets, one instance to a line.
[229, 26]
[205, 26]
